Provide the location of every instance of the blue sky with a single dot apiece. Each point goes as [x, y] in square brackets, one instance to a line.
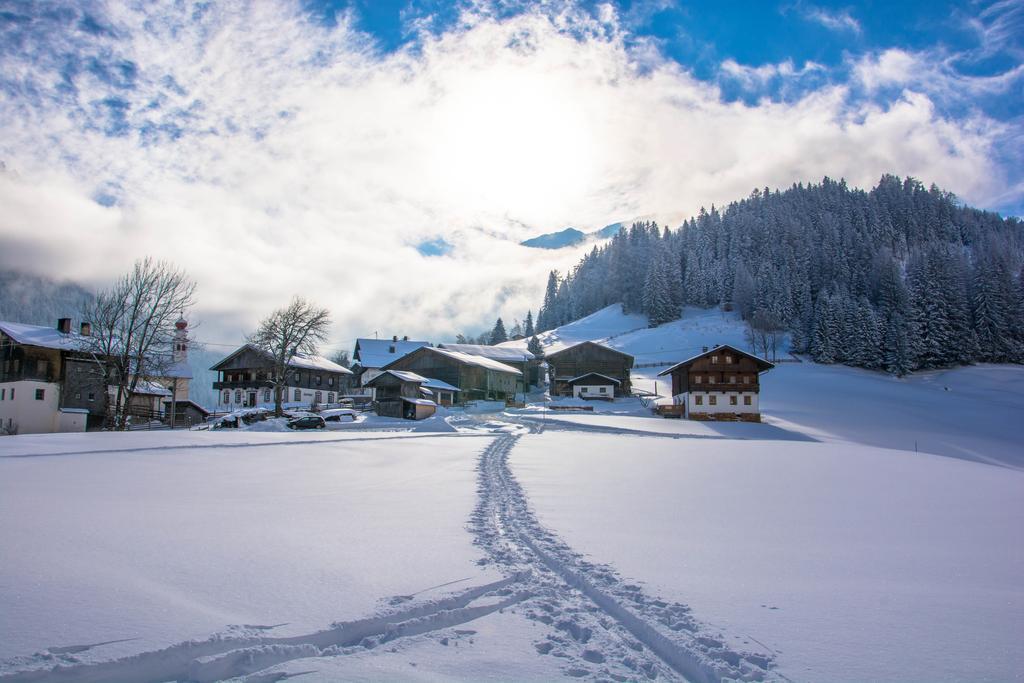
[981, 39]
[274, 147]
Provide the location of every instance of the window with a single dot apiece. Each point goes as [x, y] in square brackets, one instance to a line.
[238, 395]
[732, 379]
[12, 393]
[41, 366]
[92, 396]
[3, 394]
[318, 397]
[714, 359]
[746, 379]
[330, 397]
[227, 396]
[732, 400]
[713, 400]
[266, 396]
[318, 379]
[78, 395]
[298, 395]
[298, 377]
[698, 399]
[330, 381]
[728, 359]
[40, 394]
[746, 400]
[697, 379]
[604, 390]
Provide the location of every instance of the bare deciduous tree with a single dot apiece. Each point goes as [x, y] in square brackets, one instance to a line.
[132, 331]
[298, 328]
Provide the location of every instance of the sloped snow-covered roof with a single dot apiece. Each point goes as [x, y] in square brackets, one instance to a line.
[317, 363]
[403, 375]
[42, 336]
[419, 401]
[439, 385]
[376, 353]
[151, 389]
[593, 374]
[503, 354]
[479, 361]
[297, 361]
[762, 364]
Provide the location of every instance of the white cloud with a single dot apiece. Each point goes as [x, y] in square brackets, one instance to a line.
[837, 20]
[311, 165]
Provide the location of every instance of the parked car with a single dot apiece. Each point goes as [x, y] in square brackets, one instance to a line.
[307, 422]
[336, 416]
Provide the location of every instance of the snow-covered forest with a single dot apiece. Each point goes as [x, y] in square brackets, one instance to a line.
[898, 278]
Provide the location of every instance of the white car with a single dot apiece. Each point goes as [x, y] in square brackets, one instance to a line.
[338, 416]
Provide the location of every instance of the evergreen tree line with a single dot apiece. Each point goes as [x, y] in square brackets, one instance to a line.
[898, 278]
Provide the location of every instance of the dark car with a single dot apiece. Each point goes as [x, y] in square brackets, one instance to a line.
[307, 422]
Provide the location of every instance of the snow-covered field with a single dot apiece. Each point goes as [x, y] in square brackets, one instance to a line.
[531, 544]
[846, 562]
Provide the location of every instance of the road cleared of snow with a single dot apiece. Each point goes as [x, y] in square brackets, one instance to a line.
[847, 562]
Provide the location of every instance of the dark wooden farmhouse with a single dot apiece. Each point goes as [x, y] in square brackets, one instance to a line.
[476, 377]
[721, 383]
[568, 367]
[520, 359]
[244, 380]
[402, 394]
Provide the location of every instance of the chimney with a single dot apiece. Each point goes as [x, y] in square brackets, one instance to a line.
[391, 349]
[704, 350]
[86, 329]
[405, 338]
[64, 325]
[394, 338]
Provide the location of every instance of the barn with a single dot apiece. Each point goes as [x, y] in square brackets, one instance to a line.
[475, 377]
[569, 367]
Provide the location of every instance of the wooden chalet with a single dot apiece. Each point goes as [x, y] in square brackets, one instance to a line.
[722, 383]
[244, 380]
[476, 377]
[518, 358]
[402, 394]
[571, 366]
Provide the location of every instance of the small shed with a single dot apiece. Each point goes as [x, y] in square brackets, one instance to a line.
[417, 408]
[402, 394]
[594, 385]
[186, 413]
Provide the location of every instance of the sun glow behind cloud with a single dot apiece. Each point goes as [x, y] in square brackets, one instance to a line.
[270, 155]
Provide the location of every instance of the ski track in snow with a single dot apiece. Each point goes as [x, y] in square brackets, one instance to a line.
[601, 625]
[243, 652]
[604, 626]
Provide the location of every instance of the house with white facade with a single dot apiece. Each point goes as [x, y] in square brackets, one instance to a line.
[721, 383]
[244, 381]
[47, 382]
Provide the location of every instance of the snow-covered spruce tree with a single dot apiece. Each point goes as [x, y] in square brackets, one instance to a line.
[498, 334]
[995, 307]
[528, 325]
[657, 294]
[894, 324]
[534, 347]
